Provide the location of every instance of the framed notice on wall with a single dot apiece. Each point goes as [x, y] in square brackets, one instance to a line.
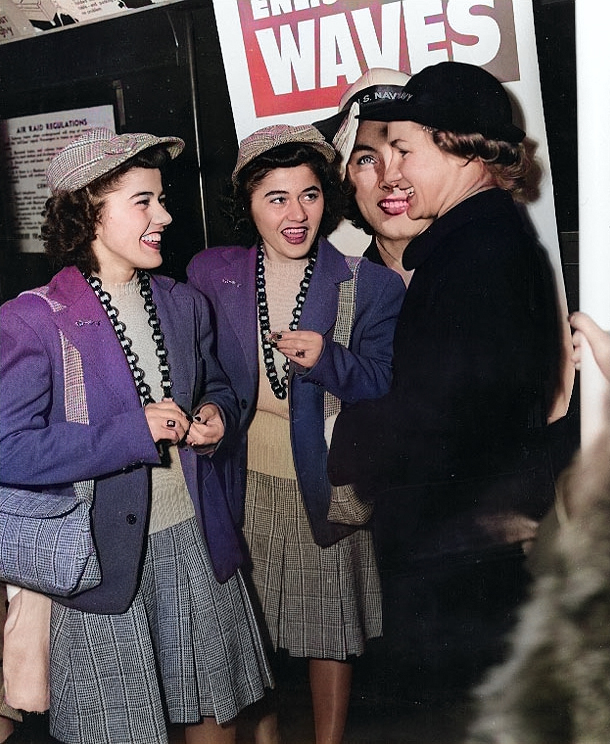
[27, 145]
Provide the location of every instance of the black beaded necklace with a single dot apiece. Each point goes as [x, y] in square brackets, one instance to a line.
[142, 386]
[279, 386]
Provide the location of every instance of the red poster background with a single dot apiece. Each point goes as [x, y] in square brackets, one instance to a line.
[504, 66]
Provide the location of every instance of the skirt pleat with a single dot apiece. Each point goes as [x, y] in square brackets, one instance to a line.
[187, 647]
[316, 602]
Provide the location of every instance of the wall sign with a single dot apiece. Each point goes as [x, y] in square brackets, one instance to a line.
[24, 18]
[291, 60]
[28, 144]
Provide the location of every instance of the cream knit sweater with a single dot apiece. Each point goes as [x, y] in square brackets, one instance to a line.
[171, 501]
[269, 449]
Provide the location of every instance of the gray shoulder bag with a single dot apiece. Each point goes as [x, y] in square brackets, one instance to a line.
[45, 538]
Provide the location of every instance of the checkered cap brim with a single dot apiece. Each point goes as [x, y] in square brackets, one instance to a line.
[279, 134]
[97, 152]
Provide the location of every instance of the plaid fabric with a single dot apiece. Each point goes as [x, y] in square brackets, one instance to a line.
[316, 602]
[97, 152]
[75, 397]
[272, 136]
[187, 645]
[343, 326]
[43, 547]
[75, 402]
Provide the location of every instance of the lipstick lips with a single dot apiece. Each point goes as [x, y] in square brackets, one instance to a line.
[152, 240]
[295, 235]
[393, 206]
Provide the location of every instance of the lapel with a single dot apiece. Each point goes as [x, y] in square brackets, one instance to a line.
[320, 308]
[234, 285]
[233, 280]
[85, 324]
[176, 315]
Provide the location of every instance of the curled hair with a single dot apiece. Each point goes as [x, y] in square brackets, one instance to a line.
[509, 164]
[71, 217]
[289, 155]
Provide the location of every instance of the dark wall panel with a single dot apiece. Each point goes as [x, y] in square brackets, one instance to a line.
[162, 70]
[151, 66]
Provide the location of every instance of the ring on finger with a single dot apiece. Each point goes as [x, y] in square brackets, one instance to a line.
[300, 353]
[170, 423]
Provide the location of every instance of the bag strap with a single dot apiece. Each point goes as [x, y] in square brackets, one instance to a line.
[75, 397]
[344, 324]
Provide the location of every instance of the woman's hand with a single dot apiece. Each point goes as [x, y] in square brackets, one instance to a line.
[599, 341]
[302, 347]
[207, 428]
[167, 421]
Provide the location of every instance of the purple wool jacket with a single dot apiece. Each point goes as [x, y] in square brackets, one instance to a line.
[40, 450]
[226, 275]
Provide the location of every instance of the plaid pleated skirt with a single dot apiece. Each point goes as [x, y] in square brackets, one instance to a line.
[316, 602]
[187, 647]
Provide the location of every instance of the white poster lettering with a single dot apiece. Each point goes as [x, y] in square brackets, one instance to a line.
[290, 61]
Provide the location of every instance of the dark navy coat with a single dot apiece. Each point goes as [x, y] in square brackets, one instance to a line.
[457, 448]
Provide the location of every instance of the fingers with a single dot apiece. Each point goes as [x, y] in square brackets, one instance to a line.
[207, 427]
[205, 435]
[302, 347]
[587, 326]
[577, 340]
[598, 339]
[166, 421]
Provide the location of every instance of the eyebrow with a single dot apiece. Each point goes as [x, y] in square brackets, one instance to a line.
[279, 192]
[146, 193]
[363, 147]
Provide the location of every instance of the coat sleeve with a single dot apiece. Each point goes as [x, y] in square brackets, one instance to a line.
[364, 370]
[38, 447]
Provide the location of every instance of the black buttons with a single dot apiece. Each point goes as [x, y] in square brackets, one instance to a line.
[131, 519]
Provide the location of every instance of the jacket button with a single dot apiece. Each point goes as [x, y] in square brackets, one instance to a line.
[243, 403]
[131, 519]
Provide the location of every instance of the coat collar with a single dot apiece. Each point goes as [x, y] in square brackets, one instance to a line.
[234, 279]
[83, 321]
[320, 308]
[423, 245]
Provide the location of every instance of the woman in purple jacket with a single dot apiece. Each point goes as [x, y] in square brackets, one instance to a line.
[169, 633]
[316, 581]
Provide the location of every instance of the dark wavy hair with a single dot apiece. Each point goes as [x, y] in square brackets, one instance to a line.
[351, 210]
[237, 203]
[71, 217]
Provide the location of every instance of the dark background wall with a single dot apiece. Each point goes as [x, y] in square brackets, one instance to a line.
[162, 71]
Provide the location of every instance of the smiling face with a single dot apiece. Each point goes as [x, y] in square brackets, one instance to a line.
[287, 207]
[382, 203]
[133, 216]
[436, 180]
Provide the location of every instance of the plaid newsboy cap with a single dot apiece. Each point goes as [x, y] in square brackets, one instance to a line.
[97, 152]
[267, 138]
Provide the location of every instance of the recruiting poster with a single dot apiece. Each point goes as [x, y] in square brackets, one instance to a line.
[291, 60]
[28, 143]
